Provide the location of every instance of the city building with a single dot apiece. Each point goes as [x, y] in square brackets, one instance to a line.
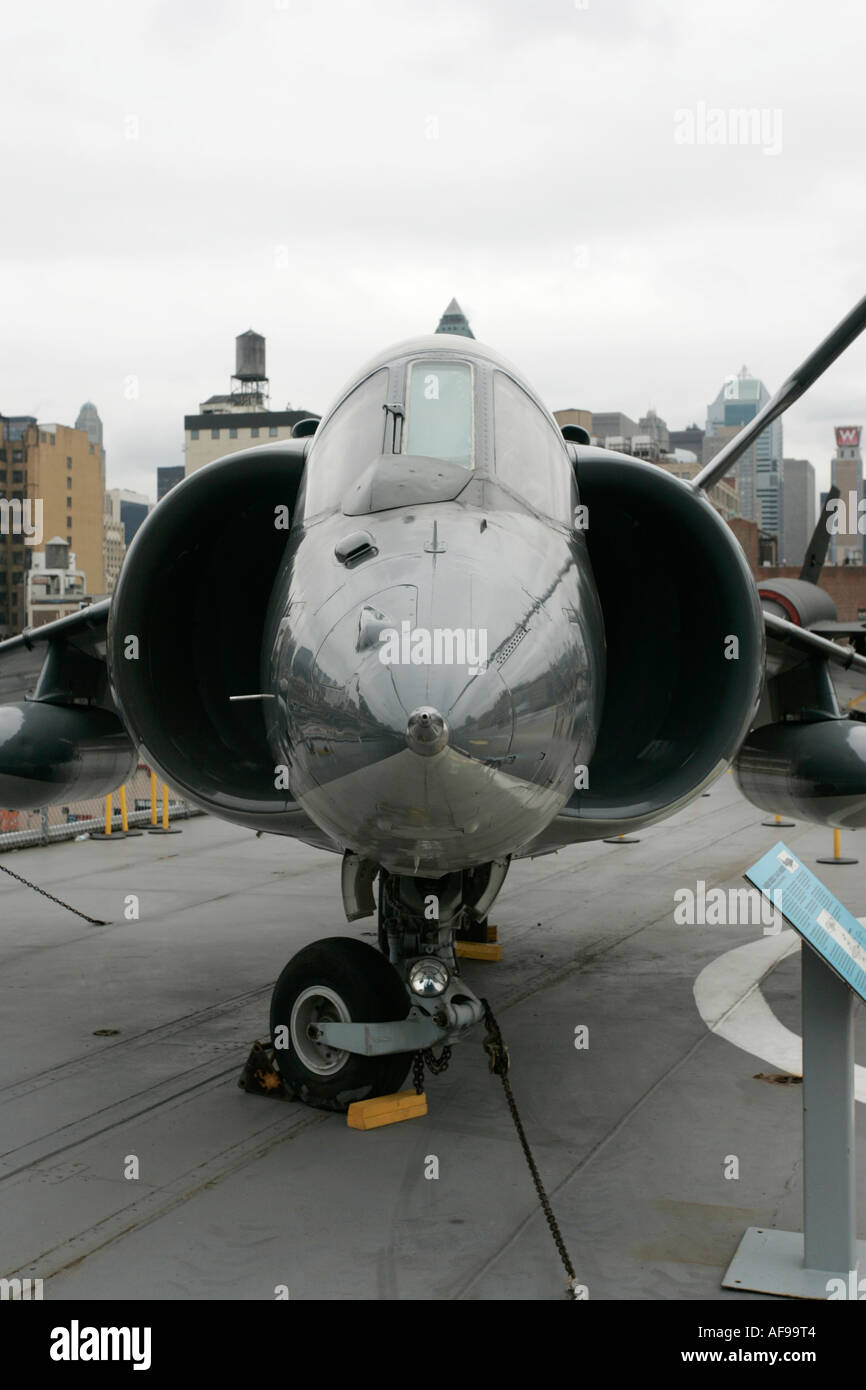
[55, 475]
[654, 435]
[167, 475]
[691, 438]
[846, 471]
[723, 495]
[744, 472]
[455, 321]
[54, 586]
[67, 471]
[113, 547]
[759, 470]
[573, 416]
[14, 543]
[127, 508]
[89, 421]
[227, 423]
[761, 547]
[613, 430]
[798, 487]
[651, 440]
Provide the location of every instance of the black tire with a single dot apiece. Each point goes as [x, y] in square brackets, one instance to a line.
[367, 989]
[381, 929]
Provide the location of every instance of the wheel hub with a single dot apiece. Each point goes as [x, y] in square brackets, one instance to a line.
[318, 1004]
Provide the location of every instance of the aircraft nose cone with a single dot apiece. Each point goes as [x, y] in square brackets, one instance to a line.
[426, 731]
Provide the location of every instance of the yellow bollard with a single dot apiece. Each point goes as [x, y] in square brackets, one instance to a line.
[105, 834]
[838, 857]
[163, 829]
[124, 818]
[778, 821]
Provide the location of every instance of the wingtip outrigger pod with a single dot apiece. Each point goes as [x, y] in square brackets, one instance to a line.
[799, 381]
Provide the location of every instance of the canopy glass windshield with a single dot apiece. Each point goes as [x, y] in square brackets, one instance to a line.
[439, 412]
[346, 444]
[531, 458]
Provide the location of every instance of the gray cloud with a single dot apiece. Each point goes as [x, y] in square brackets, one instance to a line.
[331, 174]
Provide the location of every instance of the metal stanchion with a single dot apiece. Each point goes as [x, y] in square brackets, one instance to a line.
[778, 821]
[826, 1259]
[838, 857]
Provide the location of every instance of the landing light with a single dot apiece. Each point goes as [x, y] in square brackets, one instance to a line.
[428, 977]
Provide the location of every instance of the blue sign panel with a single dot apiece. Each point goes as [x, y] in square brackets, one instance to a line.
[814, 912]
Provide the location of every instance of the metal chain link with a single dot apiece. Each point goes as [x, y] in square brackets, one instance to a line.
[435, 1065]
[497, 1055]
[94, 921]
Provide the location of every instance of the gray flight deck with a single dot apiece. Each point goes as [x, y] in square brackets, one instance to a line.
[238, 1194]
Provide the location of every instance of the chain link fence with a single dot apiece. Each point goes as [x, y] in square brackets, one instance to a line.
[42, 826]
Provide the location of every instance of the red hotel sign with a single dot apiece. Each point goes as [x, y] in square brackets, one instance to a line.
[848, 436]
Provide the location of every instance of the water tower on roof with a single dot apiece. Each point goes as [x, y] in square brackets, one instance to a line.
[250, 381]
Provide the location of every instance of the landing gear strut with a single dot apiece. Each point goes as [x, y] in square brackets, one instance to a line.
[339, 980]
[347, 1020]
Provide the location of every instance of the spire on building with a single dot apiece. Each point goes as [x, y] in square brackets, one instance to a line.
[88, 419]
[455, 321]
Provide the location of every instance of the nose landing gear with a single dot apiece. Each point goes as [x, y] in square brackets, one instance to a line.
[339, 980]
[347, 1020]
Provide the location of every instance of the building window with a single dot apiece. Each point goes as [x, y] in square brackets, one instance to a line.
[69, 501]
[69, 482]
[214, 434]
[2, 455]
[2, 475]
[91, 447]
[233, 434]
[44, 437]
[17, 577]
[18, 476]
[68, 523]
[193, 434]
[17, 557]
[68, 461]
[254, 432]
[17, 455]
[272, 431]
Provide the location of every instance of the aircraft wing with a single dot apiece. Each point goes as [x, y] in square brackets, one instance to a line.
[76, 645]
[788, 644]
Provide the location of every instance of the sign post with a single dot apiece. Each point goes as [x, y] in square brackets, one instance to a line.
[833, 965]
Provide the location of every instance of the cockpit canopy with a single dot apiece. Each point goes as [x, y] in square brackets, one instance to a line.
[418, 429]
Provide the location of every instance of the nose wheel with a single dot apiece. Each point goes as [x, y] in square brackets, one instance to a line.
[339, 980]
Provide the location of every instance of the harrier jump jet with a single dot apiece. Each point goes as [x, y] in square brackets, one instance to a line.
[433, 634]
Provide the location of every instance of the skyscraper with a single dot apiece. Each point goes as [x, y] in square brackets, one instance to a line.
[89, 421]
[798, 486]
[455, 321]
[759, 471]
[846, 471]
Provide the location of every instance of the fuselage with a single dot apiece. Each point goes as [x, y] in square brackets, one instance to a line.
[434, 641]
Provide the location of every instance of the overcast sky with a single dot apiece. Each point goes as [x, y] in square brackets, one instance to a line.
[331, 174]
